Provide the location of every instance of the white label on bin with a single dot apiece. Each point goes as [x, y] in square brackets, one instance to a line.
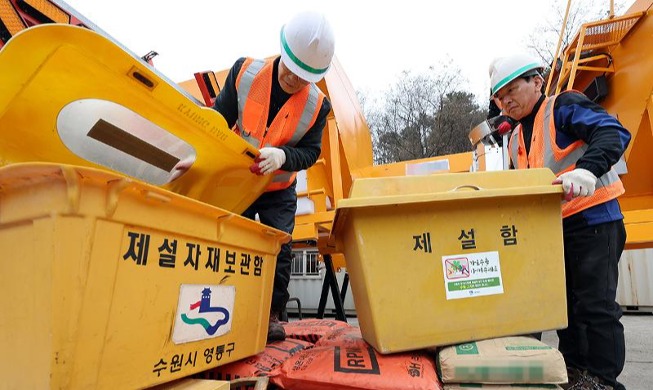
[472, 275]
[203, 312]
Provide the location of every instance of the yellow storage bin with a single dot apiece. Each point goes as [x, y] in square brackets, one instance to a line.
[194, 384]
[113, 284]
[443, 259]
[72, 96]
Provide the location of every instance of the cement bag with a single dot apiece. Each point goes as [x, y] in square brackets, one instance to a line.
[472, 386]
[350, 335]
[312, 330]
[274, 354]
[502, 360]
[349, 363]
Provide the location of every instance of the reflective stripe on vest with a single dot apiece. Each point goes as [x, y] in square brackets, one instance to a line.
[544, 152]
[245, 84]
[292, 122]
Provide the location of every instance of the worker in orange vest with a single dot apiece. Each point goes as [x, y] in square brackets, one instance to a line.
[580, 142]
[276, 106]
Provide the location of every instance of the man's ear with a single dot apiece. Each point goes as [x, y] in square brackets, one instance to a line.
[539, 82]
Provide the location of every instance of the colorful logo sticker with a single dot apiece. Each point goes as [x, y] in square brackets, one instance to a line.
[203, 312]
[457, 267]
[472, 275]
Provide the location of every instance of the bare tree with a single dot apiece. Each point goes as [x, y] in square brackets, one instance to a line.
[423, 115]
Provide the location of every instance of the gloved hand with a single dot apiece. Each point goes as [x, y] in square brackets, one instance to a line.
[270, 160]
[502, 123]
[579, 182]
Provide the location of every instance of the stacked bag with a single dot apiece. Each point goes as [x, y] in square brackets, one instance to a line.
[501, 363]
[274, 354]
[342, 360]
[300, 335]
[332, 355]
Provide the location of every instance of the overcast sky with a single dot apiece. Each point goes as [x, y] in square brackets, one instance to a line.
[375, 40]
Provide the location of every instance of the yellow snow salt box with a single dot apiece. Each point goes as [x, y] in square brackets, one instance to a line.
[111, 283]
[449, 258]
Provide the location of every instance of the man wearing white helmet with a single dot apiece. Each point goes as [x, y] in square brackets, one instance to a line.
[276, 106]
[580, 142]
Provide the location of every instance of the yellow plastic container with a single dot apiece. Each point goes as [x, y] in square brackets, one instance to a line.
[113, 284]
[72, 96]
[194, 384]
[443, 259]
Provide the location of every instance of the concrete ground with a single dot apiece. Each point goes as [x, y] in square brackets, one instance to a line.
[638, 371]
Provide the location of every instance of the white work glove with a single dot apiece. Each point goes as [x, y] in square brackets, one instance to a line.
[270, 160]
[579, 182]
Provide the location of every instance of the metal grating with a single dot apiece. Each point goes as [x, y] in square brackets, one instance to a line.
[49, 10]
[10, 18]
[604, 33]
[590, 37]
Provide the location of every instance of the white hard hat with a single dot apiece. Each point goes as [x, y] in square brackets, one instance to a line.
[307, 45]
[505, 69]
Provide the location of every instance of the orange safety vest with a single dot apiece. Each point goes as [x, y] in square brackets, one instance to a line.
[292, 122]
[545, 152]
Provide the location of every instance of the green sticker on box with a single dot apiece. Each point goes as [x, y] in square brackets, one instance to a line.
[467, 349]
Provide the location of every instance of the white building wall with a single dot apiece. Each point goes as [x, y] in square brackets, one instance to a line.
[635, 289]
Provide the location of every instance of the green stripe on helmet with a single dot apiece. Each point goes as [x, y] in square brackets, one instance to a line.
[296, 60]
[502, 83]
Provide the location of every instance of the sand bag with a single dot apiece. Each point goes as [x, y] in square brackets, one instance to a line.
[312, 329]
[349, 363]
[343, 336]
[507, 360]
[472, 386]
[262, 364]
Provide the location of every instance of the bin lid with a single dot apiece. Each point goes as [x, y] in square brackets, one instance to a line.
[448, 182]
[73, 96]
[379, 192]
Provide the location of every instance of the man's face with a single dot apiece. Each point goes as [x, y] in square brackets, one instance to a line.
[519, 97]
[289, 81]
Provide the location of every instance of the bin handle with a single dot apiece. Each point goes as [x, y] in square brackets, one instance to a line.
[156, 196]
[73, 188]
[269, 232]
[113, 195]
[470, 186]
[220, 227]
